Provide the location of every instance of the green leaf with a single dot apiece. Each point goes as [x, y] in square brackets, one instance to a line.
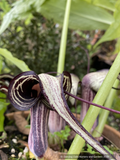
[28, 20]
[5, 7]
[117, 46]
[3, 105]
[90, 149]
[82, 16]
[58, 134]
[113, 31]
[1, 64]
[27, 126]
[108, 149]
[67, 129]
[109, 4]
[3, 102]
[21, 10]
[19, 63]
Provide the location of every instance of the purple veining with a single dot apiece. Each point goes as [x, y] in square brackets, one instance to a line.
[53, 90]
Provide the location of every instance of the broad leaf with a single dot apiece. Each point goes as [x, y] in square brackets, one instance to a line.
[110, 5]
[82, 15]
[21, 10]
[19, 63]
[5, 7]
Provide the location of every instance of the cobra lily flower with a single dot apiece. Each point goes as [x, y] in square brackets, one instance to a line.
[75, 80]
[91, 83]
[56, 122]
[41, 93]
[4, 82]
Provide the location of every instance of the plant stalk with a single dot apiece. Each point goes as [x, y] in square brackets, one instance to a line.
[91, 103]
[61, 59]
[2, 117]
[93, 112]
[104, 113]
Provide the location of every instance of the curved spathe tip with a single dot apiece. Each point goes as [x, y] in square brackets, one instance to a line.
[22, 91]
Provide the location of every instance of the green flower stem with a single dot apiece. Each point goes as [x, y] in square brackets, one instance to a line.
[61, 59]
[93, 112]
[104, 113]
[2, 117]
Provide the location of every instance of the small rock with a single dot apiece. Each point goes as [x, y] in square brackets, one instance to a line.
[25, 150]
[4, 145]
[12, 155]
[14, 140]
[12, 150]
[19, 154]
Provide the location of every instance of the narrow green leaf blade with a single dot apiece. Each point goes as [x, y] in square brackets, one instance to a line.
[112, 32]
[117, 46]
[19, 63]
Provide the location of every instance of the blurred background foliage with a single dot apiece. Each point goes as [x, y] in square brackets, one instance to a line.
[36, 41]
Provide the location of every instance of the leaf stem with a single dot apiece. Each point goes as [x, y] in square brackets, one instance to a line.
[100, 98]
[104, 114]
[91, 103]
[61, 59]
